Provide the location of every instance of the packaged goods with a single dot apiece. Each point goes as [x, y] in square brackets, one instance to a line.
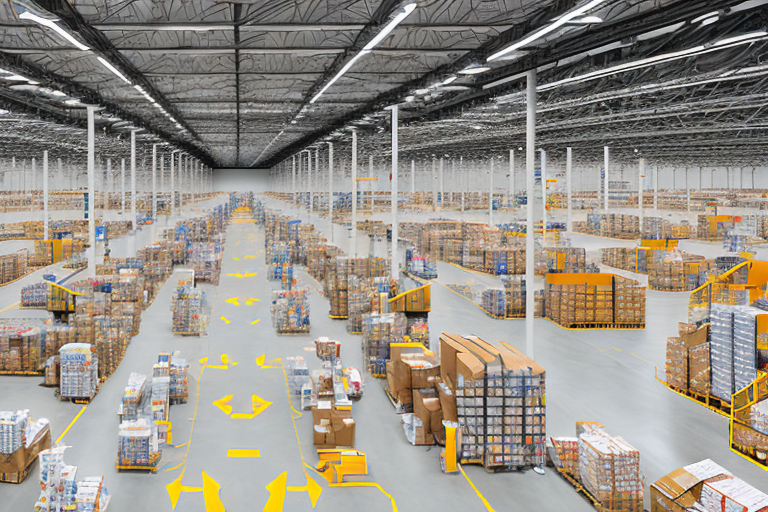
[57, 482]
[619, 257]
[298, 375]
[493, 388]
[567, 454]
[190, 311]
[495, 302]
[135, 397]
[52, 371]
[22, 348]
[745, 346]
[699, 378]
[35, 295]
[179, 380]
[137, 444]
[675, 270]
[290, 310]
[79, 371]
[721, 351]
[610, 225]
[160, 398]
[610, 469]
[677, 363]
[91, 495]
[379, 331]
[732, 494]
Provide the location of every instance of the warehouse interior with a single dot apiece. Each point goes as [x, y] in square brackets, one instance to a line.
[403, 255]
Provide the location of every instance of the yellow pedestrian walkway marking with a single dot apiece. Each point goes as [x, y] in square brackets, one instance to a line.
[225, 320]
[279, 486]
[77, 417]
[256, 321]
[243, 453]
[233, 300]
[258, 405]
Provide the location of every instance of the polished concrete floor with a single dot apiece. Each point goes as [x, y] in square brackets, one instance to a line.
[605, 376]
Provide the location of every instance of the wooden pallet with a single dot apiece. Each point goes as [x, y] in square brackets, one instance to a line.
[25, 373]
[399, 408]
[151, 467]
[81, 400]
[712, 403]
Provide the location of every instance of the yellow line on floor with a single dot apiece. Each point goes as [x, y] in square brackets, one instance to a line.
[192, 428]
[82, 410]
[256, 321]
[243, 453]
[640, 358]
[6, 308]
[177, 466]
[488, 506]
[617, 349]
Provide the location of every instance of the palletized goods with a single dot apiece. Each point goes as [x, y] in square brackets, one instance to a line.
[135, 397]
[290, 310]
[79, 371]
[609, 468]
[619, 257]
[721, 351]
[137, 444]
[495, 302]
[22, 348]
[35, 295]
[179, 380]
[379, 331]
[190, 311]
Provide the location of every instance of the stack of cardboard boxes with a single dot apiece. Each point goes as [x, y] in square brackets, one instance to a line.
[333, 425]
[688, 365]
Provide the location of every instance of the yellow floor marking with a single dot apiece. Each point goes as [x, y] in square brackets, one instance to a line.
[640, 358]
[82, 410]
[249, 257]
[211, 490]
[256, 321]
[236, 258]
[603, 351]
[177, 466]
[279, 486]
[488, 506]
[6, 308]
[617, 349]
[243, 453]
[226, 320]
[233, 300]
[237, 243]
[179, 445]
[262, 359]
[250, 301]
[362, 484]
[246, 274]
[258, 405]
[225, 362]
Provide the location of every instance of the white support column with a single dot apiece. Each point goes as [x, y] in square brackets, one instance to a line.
[543, 195]
[60, 173]
[309, 185]
[33, 172]
[434, 183]
[133, 178]
[91, 169]
[162, 175]
[605, 180]
[655, 187]
[317, 170]
[569, 185]
[353, 241]
[154, 182]
[687, 190]
[395, 269]
[13, 169]
[440, 183]
[122, 186]
[640, 176]
[413, 181]
[530, 164]
[330, 187]
[45, 195]
[371, 174]
[461, 173]
[511, 191]
[490, 192]
[173, 182]
[111, 183]
[293, 179]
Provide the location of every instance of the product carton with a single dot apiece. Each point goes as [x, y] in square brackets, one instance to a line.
[447, 402]
[426, 406]
[399, 382]
[424, 370]
[14, 464]
[681, 489]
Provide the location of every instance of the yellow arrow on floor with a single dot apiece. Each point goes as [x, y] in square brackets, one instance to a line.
[225, 320]
[225, 362]
[262, 359]
[256, 321]
[233, 300]
[279, 486]
[258, 405]
[236, 258]
[250, 301]
[249, 257]
[210, 490]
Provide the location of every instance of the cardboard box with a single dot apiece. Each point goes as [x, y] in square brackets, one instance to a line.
[681, 489]
[332, 427]
[426, 407]
[423, 377]
[447, 402]
[399, 382]
[12, 466]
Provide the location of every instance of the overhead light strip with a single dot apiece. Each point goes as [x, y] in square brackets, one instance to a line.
[113, 69]
[26, 15]
[563, 20]
[406, 10]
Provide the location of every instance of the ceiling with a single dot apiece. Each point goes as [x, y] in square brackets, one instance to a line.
[236, 84]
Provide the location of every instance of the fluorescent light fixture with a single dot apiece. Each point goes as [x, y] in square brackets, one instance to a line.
[26, 15]
[399, 17]
[409, 99]
[58, 93]
[144, 93]
[710, 21]
[660, 31]
[586, 20]
[16, 78]
[449, 80]
[455, 88]
[421, 91]
[113, 69]
[705, 16]
[563, 20]
[474, 69]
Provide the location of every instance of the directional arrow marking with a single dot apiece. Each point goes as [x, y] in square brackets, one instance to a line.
[262, 359]
[210, 490]
[258, 405]
[279, 486]
[233, 300]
